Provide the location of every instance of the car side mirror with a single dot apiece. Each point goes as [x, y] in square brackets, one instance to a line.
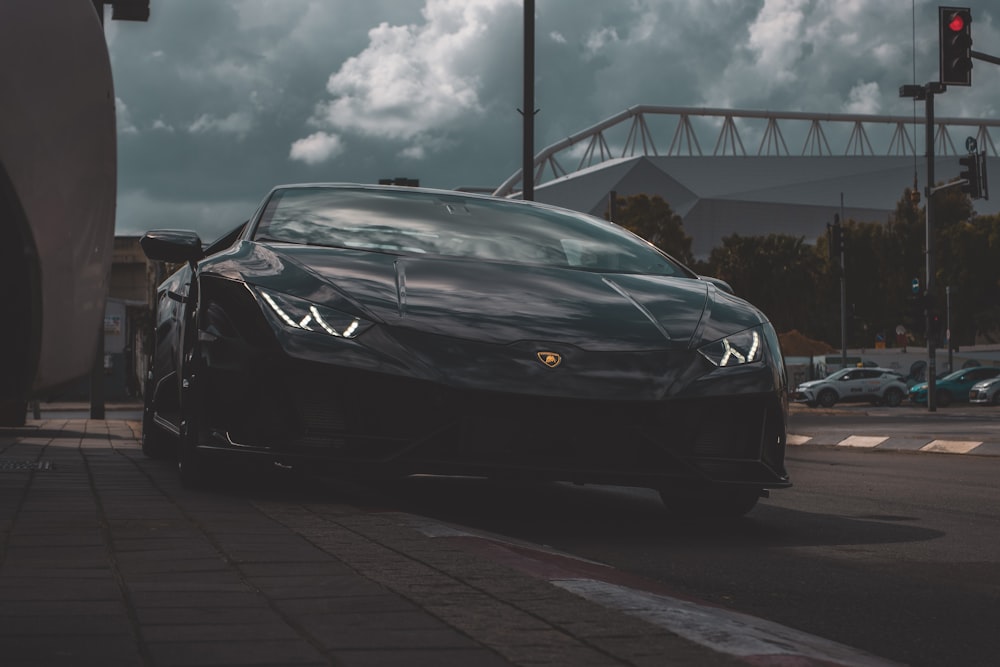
[172, 245]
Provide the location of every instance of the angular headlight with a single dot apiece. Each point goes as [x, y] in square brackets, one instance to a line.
[745, 347]
[301, 314]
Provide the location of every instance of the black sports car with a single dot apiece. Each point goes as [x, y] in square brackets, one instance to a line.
[381, 330]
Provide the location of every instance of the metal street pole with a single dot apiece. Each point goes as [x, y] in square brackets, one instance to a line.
[528, 112]
[947, 323]
[843, 289]
[929, 235]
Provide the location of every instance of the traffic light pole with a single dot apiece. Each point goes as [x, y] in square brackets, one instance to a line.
[985, 57]
[930, 89]
[926, 93]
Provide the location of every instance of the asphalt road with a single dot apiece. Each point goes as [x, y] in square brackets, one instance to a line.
[893, 553]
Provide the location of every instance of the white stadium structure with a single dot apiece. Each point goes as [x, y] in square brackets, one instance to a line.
[732, 190]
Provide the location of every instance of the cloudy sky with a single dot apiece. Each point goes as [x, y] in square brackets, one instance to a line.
[219, 100]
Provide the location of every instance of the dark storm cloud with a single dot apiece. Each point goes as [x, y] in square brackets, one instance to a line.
[220, 100]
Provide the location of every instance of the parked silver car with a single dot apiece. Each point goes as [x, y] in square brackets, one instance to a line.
[986, 392]
[879, 386]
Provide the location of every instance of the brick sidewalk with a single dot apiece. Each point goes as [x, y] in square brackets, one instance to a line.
[106, 560]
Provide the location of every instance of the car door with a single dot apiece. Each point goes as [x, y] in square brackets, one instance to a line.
[870, 384]
[172, 311]
[852, 385]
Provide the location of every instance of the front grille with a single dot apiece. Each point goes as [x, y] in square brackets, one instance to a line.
[368, 417]
[351, 416]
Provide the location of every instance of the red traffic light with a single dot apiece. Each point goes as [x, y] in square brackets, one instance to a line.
[955, 39]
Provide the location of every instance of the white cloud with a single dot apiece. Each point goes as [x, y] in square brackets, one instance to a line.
[774, 37]
[158, 124]
[124, 118]
[238, 122]
[599, 39]
[413, 81]
[317, 147]
[864, 98]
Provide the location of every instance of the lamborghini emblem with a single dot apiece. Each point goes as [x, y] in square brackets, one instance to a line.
[550, 359]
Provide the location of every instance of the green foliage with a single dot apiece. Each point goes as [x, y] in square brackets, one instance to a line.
[797, 285]
[654, 220]
[780, 274]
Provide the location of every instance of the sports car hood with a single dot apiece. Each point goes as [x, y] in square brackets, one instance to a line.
[499, 303]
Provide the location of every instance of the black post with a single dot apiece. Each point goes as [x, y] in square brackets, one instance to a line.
[929, 233]
[528, 112]
[97, 378]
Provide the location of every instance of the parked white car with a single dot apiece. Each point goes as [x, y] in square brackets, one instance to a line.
[879, 386]
[986, 392]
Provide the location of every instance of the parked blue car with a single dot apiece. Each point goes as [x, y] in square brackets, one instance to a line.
[954, 386]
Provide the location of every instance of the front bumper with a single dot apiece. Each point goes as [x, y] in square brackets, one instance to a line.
[803, 396]
[981, 397]
[370, 423]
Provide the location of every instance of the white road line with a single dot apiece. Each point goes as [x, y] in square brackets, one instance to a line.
[950, 446]
[863, 441]
[763, 642]
[724, 631]
[797, 439]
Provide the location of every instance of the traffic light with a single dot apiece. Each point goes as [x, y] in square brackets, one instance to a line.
[955, 29]
[973, 170]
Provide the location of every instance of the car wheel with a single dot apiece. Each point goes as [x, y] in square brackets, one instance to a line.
[944, 398]
[996, 398]
[893, 397]
[827, 398]
[723, 503]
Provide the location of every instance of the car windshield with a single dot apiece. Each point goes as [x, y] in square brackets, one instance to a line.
[453, 225]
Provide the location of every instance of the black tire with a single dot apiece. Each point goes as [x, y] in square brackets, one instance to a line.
[827, 398]
[996, 399]
[893, 397]
[944, 398]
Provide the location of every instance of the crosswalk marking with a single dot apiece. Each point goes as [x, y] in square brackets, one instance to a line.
[863, 441]
[950, 446]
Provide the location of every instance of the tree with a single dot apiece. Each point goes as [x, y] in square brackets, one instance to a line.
[778, 273]
[654, 220]
[968, 253]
